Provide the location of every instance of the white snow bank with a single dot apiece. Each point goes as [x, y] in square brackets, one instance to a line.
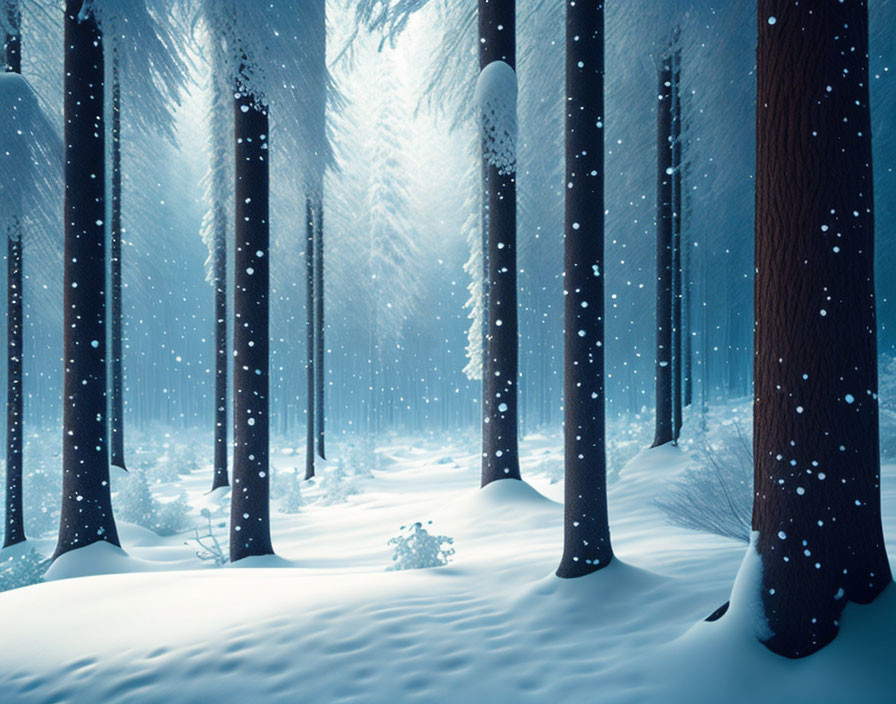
[495, 99]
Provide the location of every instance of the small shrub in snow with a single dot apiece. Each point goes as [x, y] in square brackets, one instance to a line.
[716, 494]
[135, 504]
[171, 517]
[293, 502]
[23, 570]
[209, 549]
[336, 485]
[361, 456]
[416, 549]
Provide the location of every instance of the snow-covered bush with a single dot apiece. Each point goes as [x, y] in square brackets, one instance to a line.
[135, 504]
[22, 570]
[360, 456]
[42, 490]
[417, 549]
[715, 495]
[336, 485]
[293, 500]
[171, 516]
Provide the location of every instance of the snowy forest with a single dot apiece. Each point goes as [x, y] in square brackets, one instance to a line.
[343, 335]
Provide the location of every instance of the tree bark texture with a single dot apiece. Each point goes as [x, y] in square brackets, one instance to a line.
[586, 544]
[250, 529]
[116, 440]
[309, 337]
[500, 370]
[817, 464]
[86, 515]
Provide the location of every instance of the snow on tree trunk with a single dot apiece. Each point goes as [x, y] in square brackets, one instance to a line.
[664, 433]
[86, 502]
[495, 99]
[586, 545]
[250, 530]
[218, 198]
[817, 463]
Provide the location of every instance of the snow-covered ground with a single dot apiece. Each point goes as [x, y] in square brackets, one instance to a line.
[326, 621]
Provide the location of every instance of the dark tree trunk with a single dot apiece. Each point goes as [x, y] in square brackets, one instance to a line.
[309, 337]
[687, 323]
[86, 515]
[817, 473]
[500, 454]
[586, 544]
[676, 247]
[116, 421]
[15, 526]
[250, 528]
[220, 282]
[319, 366]
[664, 431]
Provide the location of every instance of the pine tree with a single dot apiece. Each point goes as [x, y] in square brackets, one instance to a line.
[86, 502]
[500, 451]
[817, 464]
[15, 526]
[586, 545]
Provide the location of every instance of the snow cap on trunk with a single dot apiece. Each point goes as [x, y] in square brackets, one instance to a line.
[495, 100]
[29, 149]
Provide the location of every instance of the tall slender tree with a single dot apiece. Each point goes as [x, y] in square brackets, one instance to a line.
[319, 348]
[586, 545]
[500, 452]
[309, 337]
[116, 406]
[250, 529]
[86, 515]
[215, 229]
[664, 430]
[677, 365]
[15, 522]
[816, 508]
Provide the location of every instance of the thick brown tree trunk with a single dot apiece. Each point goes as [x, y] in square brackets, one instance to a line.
[500, 369]
[586, 544]
[250, 528]
[817, 462]
[664, 431]
[86, 515]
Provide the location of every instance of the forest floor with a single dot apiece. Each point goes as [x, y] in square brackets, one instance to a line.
[326, 622]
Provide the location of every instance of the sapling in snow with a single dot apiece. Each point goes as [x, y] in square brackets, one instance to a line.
[416, 548]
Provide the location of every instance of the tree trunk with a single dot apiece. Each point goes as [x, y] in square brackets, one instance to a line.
[15, 526]
[817, 473]
[250, 529]
[309, 336]
[500, 454]
[86, 515]
[664, 431]
[319, 366]
[116, 441]
[676, 246]
[586, 544]
[220, 282]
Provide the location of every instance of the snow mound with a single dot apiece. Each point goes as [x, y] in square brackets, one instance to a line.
[97, 558]
[495, 99]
